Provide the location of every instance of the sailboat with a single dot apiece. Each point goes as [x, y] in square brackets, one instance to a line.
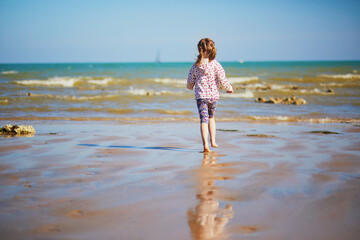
[157, 60]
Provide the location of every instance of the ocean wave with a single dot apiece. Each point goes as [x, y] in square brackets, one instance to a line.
[100, 82]
[332, 84]
[263, 87]
[170, 81]
[315, 91]
[234, 80]
[68, 81]
[55, 81]
[246, 94]
[9, 72]
[301, 118]
[278, 118]
[67, 97]
[279, 86]
[342, 76]
[147, 92]
[309, 91]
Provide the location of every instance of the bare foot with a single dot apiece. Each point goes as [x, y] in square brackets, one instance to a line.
[214, 145]
[206, 149]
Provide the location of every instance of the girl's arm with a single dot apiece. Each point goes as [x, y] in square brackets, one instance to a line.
[221, 78]
[191, 78]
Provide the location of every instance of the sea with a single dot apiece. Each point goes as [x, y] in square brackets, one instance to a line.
[147, 92]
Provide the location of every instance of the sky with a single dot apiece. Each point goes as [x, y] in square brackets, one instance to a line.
[135, 31]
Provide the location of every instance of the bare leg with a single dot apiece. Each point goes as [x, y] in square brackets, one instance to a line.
[204, 129]
[212, 130]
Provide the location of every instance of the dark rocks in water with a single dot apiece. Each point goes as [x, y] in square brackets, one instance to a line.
[288, 100]
[17, 130]
[260, 135]
[29, 94]
[239, 88]
[324, 132]
[228, 130]
[330, 91]
[260, 88]
[260, 100]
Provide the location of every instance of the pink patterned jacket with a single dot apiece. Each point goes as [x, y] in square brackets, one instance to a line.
[207, 79]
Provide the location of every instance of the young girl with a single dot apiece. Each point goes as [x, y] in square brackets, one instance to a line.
[207, 75]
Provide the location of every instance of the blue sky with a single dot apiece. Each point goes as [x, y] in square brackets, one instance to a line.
[133, 31]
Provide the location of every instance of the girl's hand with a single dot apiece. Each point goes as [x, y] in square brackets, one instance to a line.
[230, 92]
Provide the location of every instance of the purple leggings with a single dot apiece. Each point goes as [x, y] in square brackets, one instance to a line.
[206, 108]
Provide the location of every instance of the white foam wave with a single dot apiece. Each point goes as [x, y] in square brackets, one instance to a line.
[66, 81]
[276, 117]
[308, 91]
[278, 87]
[9, 72]
[68, 97]
[170, 81]
[233, 80]
[332, 84]
[246, 94]
[55, 81]
[254, 86]
[343, 76]
[100, 82]
[145, 92]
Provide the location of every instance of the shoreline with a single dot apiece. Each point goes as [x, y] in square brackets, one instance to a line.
[130, 120]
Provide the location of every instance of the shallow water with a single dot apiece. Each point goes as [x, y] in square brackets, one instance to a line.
[105, 180]
[153, 91]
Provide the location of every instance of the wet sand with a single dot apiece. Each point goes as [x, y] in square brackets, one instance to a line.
[112, 180]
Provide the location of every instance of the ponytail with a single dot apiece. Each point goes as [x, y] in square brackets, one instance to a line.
[206, 46]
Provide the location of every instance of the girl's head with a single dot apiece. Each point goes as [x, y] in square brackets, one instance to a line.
[207, 49]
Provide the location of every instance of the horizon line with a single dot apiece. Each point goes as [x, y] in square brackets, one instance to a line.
[227, 61]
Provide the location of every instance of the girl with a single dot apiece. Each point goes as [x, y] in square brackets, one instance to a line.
[207, 75]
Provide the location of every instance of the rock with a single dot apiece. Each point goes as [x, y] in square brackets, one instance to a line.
[227, 130]
[260, 100]
[263, 88]
[330, 91]
[299, 101]
[274, 100]
[288, 100]
[239, 88]
[260, 135]
[4, 101]
[17, 130]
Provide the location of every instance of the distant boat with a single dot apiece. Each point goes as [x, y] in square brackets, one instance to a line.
[157, 60]
[241, 61]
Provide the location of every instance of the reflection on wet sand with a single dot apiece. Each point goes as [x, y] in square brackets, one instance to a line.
[208, 220]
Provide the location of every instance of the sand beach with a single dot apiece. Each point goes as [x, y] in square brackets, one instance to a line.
[149, 180]
[99, 125]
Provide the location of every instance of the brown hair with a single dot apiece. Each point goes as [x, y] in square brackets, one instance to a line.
[206, 47]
